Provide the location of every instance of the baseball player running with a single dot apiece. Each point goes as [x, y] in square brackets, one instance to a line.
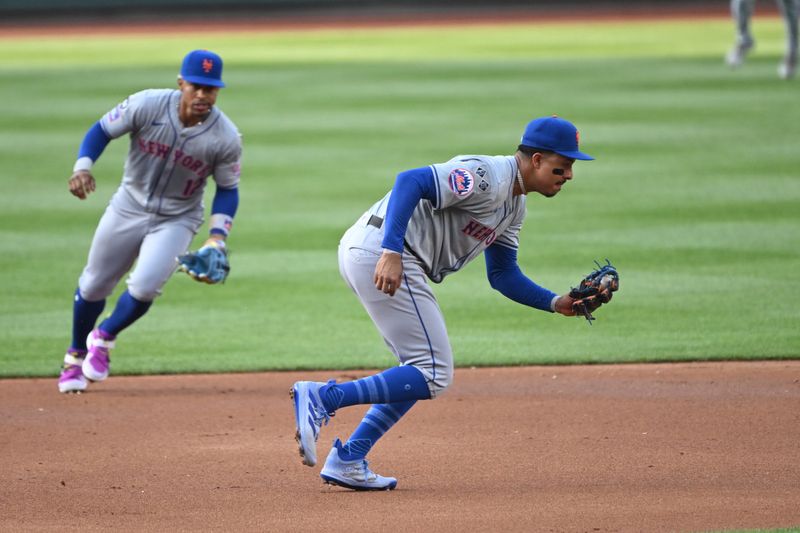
[431, 224]
[742, 12]
[178, 138]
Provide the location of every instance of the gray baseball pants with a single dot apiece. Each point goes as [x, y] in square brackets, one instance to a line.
[742, 11]
[127, 234]
[410, 322]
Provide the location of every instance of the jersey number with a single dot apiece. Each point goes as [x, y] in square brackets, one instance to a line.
[192, 186]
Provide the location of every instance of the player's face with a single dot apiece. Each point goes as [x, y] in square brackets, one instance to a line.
[550, 173]
[196, 100]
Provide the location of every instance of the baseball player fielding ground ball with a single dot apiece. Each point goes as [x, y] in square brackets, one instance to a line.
[178, 138]
[433, 222]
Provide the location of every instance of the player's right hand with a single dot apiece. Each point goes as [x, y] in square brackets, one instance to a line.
[389, 272]
[81, 184]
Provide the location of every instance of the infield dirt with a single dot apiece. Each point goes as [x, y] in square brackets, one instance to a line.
[660, 447]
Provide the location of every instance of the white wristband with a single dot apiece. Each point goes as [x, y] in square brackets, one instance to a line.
[83, 163]
[221, 222]
[553, 303]
[219, 244]
[387, 250]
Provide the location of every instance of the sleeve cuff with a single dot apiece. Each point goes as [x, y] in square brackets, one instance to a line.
[83, 163]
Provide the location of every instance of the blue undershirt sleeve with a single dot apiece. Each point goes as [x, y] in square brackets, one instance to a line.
[94, 142]
[506, 277]
[226, 202]
[410, 187]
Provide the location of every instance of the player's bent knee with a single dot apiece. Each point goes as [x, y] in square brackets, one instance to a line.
[95, 293]
[440, 382]
[143, 294]
[438, 371]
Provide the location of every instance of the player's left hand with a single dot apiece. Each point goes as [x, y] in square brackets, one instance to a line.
[594, 290]
[563, 305]
[81, 183]
[209, 264]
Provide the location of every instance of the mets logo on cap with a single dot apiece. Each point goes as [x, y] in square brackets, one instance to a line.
[461, 181]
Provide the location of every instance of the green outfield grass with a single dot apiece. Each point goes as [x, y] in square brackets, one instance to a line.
[694, 195]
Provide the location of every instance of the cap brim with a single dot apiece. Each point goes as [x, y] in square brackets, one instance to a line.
[576, 155]
[204, 81]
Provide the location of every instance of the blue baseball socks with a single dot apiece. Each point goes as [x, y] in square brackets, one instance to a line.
[127, 311]
[84, 316]
[378, 420]
[398, 384]
[393, 392]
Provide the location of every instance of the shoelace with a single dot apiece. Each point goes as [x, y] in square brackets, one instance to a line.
[363, 469]
[103, 354]
[320, 416]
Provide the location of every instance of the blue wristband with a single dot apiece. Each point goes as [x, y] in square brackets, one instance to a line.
[223, 209]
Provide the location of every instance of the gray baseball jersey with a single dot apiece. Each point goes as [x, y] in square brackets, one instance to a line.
[474, 208]
[168, 164]
[158, 207]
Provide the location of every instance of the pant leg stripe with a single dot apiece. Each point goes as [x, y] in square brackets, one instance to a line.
[424, 329]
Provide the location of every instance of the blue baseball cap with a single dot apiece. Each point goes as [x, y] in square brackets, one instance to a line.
[203, 68]
[555, 135]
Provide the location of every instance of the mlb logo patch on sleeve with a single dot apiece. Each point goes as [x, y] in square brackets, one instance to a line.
[461, 181]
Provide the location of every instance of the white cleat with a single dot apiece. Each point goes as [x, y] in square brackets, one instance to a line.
[354, 474]
[788, 68]
[736, 56]
[309, 415]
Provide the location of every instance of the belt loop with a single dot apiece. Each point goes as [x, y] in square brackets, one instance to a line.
[375, 221]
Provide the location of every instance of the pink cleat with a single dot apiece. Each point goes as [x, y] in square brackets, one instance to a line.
[72, 378]
[96, 364]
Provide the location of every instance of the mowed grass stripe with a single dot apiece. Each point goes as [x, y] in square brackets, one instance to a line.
[693, 194]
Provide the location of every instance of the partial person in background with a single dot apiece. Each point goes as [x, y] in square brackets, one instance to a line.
[742, 12]
[434, 221]
[178, 138]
